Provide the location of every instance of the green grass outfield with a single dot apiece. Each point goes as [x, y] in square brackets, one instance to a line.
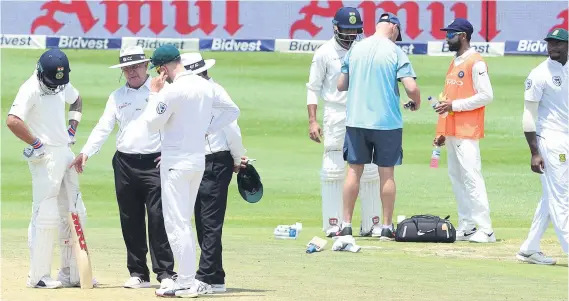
[270, 90]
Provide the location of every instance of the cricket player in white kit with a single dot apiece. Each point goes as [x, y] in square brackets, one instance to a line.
[546, 128]
[182, 111]
[37, 117]
[324, 73]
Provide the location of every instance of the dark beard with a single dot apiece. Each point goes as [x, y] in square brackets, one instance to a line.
[454, 46]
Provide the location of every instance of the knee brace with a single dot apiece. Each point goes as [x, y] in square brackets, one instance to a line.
[369, 198]
[332, 182]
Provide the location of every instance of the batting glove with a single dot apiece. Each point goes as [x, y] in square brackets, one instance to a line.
[35, 152]
[71, 132]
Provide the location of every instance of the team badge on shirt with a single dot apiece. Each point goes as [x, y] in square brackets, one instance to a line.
[556, 80]
[461, 74]
[528, 84]
[562, 158]
[161, 108]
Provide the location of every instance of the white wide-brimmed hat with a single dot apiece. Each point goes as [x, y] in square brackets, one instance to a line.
[131, 55]
[194, 62]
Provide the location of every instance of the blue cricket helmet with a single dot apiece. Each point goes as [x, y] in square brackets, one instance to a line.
[345, 20]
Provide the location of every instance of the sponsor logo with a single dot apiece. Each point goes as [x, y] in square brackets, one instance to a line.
[409, 48]
[153, 44]
[562, 158]
[531, 46]
[237, 45]
[461, 74]
[556, 80]
[83, 43]
[528, 84]
[22, 41]
[453, 82]
[161, 108]
[333, 221]
[304, 46]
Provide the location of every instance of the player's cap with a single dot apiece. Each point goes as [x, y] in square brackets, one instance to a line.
[460, 25]
[557, 34]
[348, 17]
[194, 62]
[249, 184]
[164, 55]
[131, 55]
[54, 66]
[391, 18]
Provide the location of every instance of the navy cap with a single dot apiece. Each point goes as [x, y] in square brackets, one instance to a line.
[54, 66]
[460, 25]
[348, 17]
[391, 18]
[249, 184]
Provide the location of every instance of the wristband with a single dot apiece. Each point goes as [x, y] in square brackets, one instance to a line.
[74, 115]
[71, 130]
[37, 144]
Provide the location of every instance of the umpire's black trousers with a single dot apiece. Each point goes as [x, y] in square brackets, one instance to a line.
[210, 214]
[137, 185]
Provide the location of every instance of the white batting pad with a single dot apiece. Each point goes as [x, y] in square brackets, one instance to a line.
[332, 183]
[42, 251]
[369, 198]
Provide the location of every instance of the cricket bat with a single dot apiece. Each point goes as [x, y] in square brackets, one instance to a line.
[316, 244]
[81, 251]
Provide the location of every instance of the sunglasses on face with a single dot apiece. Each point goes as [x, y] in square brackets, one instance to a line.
[452, 34]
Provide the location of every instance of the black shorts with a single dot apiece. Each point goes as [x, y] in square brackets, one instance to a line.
[381, 147]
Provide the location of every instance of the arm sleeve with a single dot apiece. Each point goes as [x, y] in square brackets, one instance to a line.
[23, 103]
[534, 87]
[484, 93]
[315, 79]
[71, 94]
[228, 110]
[404, 67]
[529, 117]
[235, 142]
[346, 62]
[160, 107]
[102, 130]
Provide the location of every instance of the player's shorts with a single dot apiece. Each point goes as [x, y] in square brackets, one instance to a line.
[381, 147]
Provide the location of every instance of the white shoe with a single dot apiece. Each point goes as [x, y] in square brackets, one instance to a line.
[482, 237]
[331, 231]
[535, 258]
[167, 283]
[200, 288]
[175, 290]
[45, 282]
[136, 282]
[376, 231]
[218, 288]
[464, 235]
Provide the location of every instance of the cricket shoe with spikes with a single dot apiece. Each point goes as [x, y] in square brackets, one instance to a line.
[175, 289]
[45, 282]
[332, 230]
[346, 231]
[483, 237]
[199, 288]
[136, 282]
[464, 235]
[535, 258]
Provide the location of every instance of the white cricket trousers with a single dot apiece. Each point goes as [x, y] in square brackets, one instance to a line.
[554, 203]
[465, 172]
[55, 190]
[179, 192]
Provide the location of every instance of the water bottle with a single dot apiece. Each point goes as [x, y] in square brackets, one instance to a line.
[435, 156]
[433, 102]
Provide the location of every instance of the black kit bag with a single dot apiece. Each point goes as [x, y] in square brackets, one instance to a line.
[425, 228]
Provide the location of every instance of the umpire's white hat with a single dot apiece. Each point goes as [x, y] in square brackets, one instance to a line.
[131, 55]
[194, 62]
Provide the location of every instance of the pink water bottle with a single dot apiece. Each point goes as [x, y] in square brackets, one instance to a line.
[435, 156]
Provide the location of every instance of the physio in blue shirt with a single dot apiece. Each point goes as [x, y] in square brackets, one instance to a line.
[374, 125]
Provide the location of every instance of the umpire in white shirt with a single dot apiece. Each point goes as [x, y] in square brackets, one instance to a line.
[224, 153]
[137, 178]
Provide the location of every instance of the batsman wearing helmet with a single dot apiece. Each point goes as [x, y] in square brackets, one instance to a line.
[322, 83]
[37, 117]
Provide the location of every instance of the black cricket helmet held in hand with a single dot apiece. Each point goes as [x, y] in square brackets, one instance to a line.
[249, 184]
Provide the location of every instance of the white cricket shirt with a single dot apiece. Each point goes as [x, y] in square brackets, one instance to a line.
[183, 112]
[44, 114]
[547, 84]
[124, 105]
[324, 74]
[228, 138]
